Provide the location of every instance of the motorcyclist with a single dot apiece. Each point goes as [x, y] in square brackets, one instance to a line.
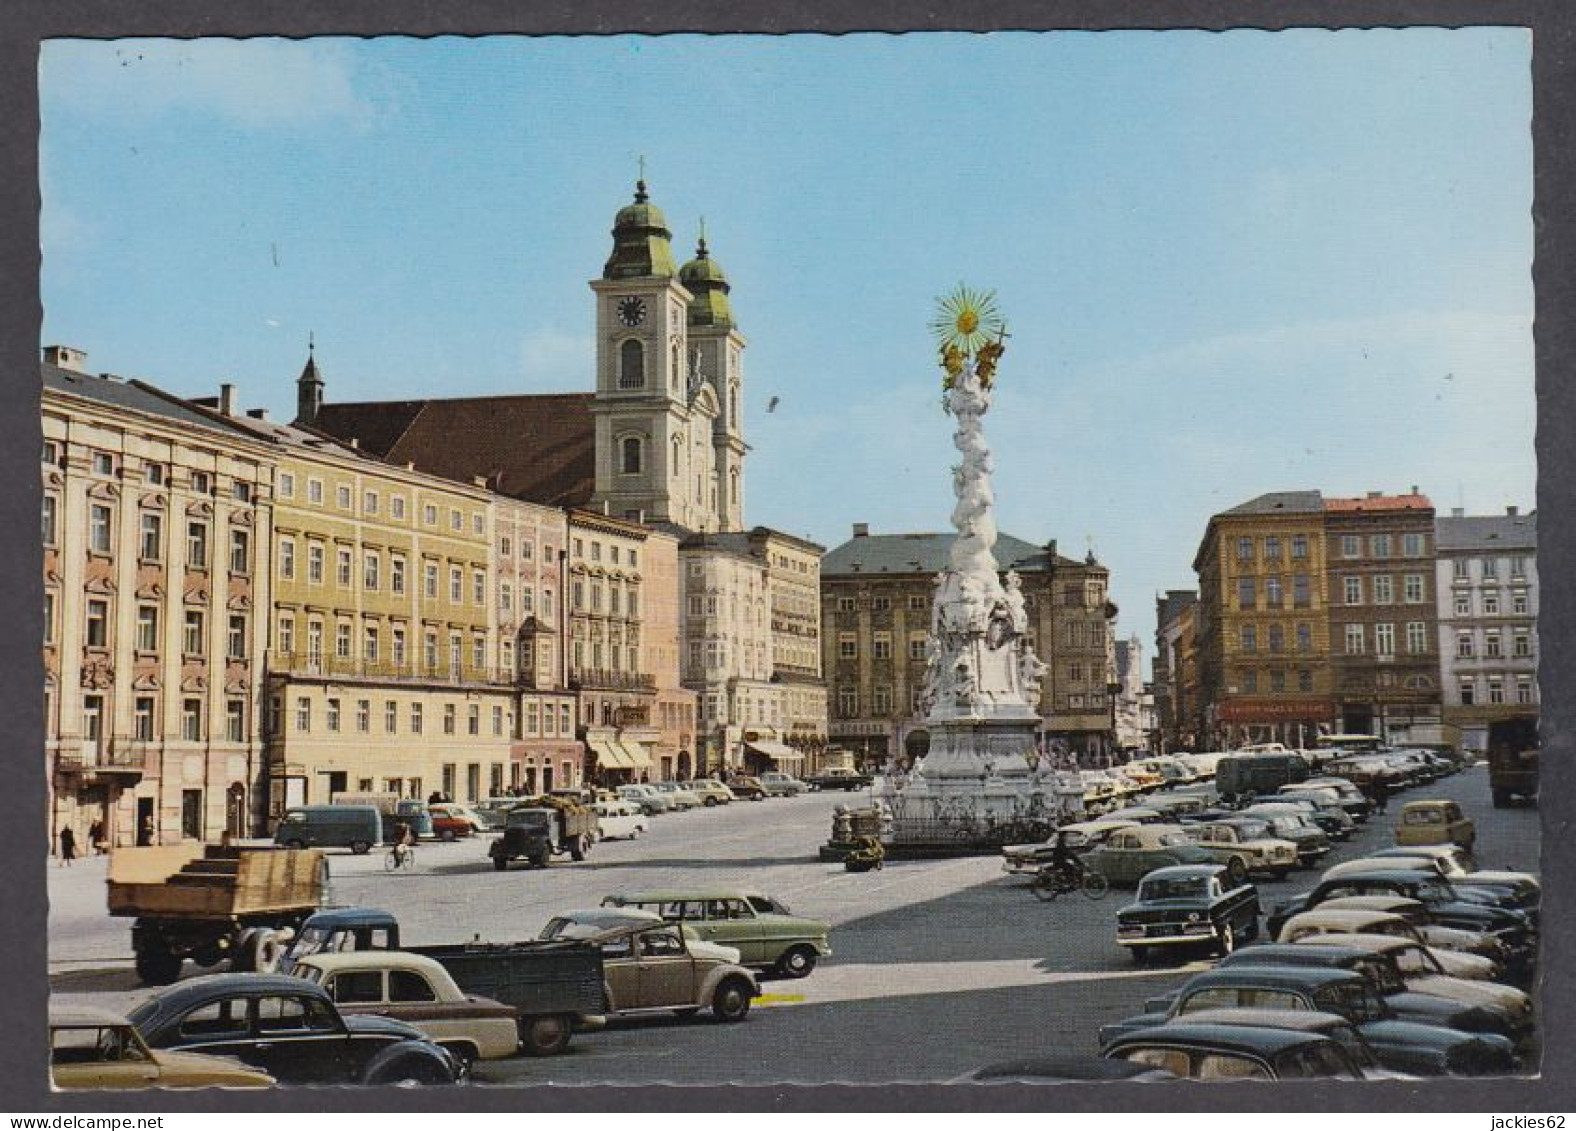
[1064, 861]
[404, 841]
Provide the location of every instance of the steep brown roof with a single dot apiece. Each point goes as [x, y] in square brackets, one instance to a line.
[1380, 503]
[539, 447]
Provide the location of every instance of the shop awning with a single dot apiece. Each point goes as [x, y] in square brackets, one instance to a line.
[637, 753]
[777, 751]
[611, 756]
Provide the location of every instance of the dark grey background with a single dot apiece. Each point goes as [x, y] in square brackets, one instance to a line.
[23, 983]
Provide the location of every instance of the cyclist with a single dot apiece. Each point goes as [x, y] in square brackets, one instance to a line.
[404, 841]
[1067, 863]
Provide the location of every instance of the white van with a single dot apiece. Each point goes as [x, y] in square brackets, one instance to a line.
[619, 819]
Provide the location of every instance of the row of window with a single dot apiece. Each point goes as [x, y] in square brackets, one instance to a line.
[372, 650]
[97, 629]
[1467, 688]
[1489, 603]
[1383, 639]
[150, 541]
[629, 554]
[371, 500]
[372, 572]
[1274, 592]
[1494, 644]
[1271, 548]
[621, 600]
[1489, 568]
[1381, 589]
[1248, 680]
[1275, 638]
[539, 718]
[145, 722]
[107, 465]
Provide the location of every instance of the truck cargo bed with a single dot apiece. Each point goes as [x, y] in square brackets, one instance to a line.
[193, 881]
[535, 977]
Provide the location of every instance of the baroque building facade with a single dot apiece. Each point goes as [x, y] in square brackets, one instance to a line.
[876, 593]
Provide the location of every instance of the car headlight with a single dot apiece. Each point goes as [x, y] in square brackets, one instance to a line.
[1192, 917]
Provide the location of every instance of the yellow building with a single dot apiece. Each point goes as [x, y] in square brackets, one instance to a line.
[384, 659]
[155, 535]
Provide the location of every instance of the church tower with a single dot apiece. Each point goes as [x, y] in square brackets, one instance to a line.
[309, 388]
[655, 451]
[716, 341]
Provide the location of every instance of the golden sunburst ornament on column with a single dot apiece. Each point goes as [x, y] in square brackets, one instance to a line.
[968, 324]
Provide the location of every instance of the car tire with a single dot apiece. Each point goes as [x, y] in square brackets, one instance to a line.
[545, 1036]
[1140, 955]
[1237, 871]
[447, 836]
[359, 847]
[709, 802]
[730, 1004]
[500, 863]
[798, 962]
[577, 848]
[410, 1073]
[156, 966]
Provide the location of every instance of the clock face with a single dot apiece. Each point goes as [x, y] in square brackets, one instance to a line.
[631, 311]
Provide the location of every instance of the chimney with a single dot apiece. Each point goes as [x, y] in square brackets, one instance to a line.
[861, 530]
[227, 399]
[1414, 488]
[257, 413]
[67, 357]
[1457, 512]
[1512, 512]
[1375, 494]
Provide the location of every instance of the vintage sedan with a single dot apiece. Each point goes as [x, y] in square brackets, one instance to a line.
[710, 791]
[592, 922]
[449, 822]
[653, 968]
[1236, 1052]
[414, 988]
[1408, 1032]
[648, 797]
[767, 935]
[677, 794]
[1506, 888]
[1424, 975]
[1130, 854]
[95, 1048]
[1352, 799]
[1456, 865]
[1325, 920]
[1449, 906]
[1291, 822]
[1188, 905]
[747, 788]
[1080, 837]
[1331, 1025]
[778, 784]
[1242, 853]
[292, 1030]
[1435, 822]
[1428, 931]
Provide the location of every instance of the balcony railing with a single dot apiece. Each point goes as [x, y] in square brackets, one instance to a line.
[340, 667]
[114, 756]
[604, 679]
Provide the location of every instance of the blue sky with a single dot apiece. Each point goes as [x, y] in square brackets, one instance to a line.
[1232, 263]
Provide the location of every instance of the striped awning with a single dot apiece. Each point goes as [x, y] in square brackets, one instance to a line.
[777, 751]
[637, 753]
[611, 755]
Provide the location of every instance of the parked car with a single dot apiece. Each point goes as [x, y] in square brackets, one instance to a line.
[1242, 774]
[1422, 922]
[1352, 799]
[1456, 865]
[839, 777]
[1435, 822]
[540, 830]
[1243, 854]
[292, 1030]
[676, 793]
[619, 819]
[96, 1048]
[1290, 822]
[747, 788]
[1367, 1058]
[449, 823]
[1080, 837]
[1479, 910]
[648, 797]
[1322, 807]
[710, 791]
[1188, 905]
[1352, 921]
[1424, 975]
[1349, 984]
[1130, 854]
[650, 968]
[593, 922]
[414, 988]
[1236, 1052]
[767, 935]
[778, 784]
[1063, 1069]
[1506, 889]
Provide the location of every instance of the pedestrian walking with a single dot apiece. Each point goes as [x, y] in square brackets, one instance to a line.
[1381, 792]
[68, 846]
[146, 835]
[96, 838]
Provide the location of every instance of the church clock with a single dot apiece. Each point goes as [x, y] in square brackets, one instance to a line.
[631, 310]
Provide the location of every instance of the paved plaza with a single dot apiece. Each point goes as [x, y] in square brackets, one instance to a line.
[952, 956]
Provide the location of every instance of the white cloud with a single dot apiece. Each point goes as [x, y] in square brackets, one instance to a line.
[251, 84]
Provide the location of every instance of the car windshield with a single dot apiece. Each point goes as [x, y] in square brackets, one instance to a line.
[1313, 1061]
[1252, 830]
[1423, 817]
[1351, 1000]
[1173, 839]
[768, 906]
[1175, 887]
[1380, 974]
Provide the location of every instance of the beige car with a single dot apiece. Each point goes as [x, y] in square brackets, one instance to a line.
[95, 1048]
[1425, 976]
[1435, 822]
[416, 989]
[1350, 921]
[652, 968]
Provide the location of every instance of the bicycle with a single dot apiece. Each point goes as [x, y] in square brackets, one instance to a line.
[1050, 882]
[400, 856]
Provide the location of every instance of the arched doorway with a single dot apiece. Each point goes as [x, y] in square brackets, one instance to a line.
[916, 746]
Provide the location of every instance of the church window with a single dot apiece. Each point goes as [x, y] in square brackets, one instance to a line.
[733, 404]
[678, 453]
[631, 460]
[733, 487]
[632, 365]
[677, 367]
